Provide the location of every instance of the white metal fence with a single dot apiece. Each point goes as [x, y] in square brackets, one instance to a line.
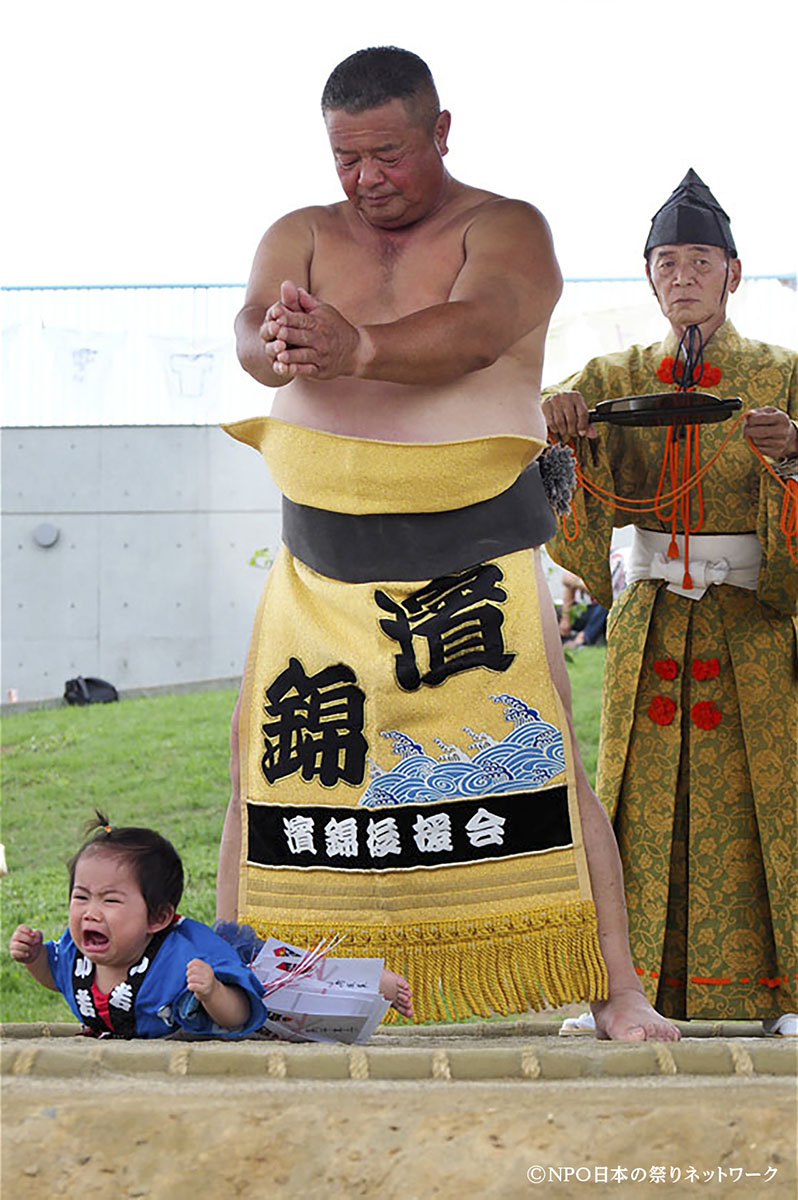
[166, 356]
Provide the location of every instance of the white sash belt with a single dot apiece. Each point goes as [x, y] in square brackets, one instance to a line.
[732, 558]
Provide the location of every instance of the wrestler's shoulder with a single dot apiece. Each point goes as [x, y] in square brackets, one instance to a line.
[483, 206]
[312, 216]
[465, 203]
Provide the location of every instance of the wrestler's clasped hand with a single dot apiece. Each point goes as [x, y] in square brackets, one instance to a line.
[304, 336]
[566, 416]
[771, 431]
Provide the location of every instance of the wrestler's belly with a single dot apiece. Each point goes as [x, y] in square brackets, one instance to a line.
[500, 399]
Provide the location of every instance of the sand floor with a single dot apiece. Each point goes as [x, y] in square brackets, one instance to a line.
[130, 1124]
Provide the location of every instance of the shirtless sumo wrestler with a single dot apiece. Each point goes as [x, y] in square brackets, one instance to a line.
[416, 310]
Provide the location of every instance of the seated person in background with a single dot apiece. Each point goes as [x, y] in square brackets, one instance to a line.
[583, 620]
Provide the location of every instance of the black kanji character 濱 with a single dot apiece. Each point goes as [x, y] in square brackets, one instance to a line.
[456, 618]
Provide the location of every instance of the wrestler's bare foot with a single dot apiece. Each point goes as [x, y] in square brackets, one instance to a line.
[628, 1017]
[396, 989]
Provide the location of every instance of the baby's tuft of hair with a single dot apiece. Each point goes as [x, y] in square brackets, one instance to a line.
[153, 861]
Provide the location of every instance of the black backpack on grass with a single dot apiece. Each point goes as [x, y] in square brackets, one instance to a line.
[89, 691]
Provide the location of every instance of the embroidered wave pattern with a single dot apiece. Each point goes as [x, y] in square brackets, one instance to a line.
[527, 758]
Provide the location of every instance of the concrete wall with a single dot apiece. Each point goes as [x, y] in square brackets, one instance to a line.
[148, 582]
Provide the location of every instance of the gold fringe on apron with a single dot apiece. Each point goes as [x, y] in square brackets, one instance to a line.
[407, 778]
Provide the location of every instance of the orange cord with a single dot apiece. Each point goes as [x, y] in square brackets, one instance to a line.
[687, 579]
[788, 522]
[653, 504]
[679, 493]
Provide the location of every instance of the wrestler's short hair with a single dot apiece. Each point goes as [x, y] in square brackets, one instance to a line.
[153, 861]
[373, 77]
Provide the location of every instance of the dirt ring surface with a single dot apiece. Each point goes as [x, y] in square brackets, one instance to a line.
[455, 1111]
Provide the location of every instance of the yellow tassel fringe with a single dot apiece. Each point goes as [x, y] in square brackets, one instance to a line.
[459, 969]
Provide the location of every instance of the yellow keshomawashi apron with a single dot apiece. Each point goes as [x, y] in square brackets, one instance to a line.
[406, 772]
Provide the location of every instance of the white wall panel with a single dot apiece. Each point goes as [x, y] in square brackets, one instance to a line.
[51, 469]
[149, 582]
[53, 591]
[164, 473]
[238, 476]
[37, 668]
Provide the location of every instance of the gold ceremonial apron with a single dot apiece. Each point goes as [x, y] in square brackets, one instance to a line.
[406, 774]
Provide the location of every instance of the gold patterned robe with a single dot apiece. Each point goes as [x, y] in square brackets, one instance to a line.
[705, 817]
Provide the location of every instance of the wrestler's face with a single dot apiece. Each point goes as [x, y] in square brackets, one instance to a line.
[690, 284]
[390, 165]
[108, 916]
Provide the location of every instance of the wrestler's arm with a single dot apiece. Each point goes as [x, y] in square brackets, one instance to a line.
[284, 253]
[507, 287]
[570, 585]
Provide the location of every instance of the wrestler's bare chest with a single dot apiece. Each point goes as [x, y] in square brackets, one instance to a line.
[373, 277]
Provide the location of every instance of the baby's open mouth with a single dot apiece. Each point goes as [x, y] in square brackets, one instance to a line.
[94, 940]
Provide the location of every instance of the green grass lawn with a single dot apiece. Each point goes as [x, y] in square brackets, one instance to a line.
[586, 669]
[160, 762]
